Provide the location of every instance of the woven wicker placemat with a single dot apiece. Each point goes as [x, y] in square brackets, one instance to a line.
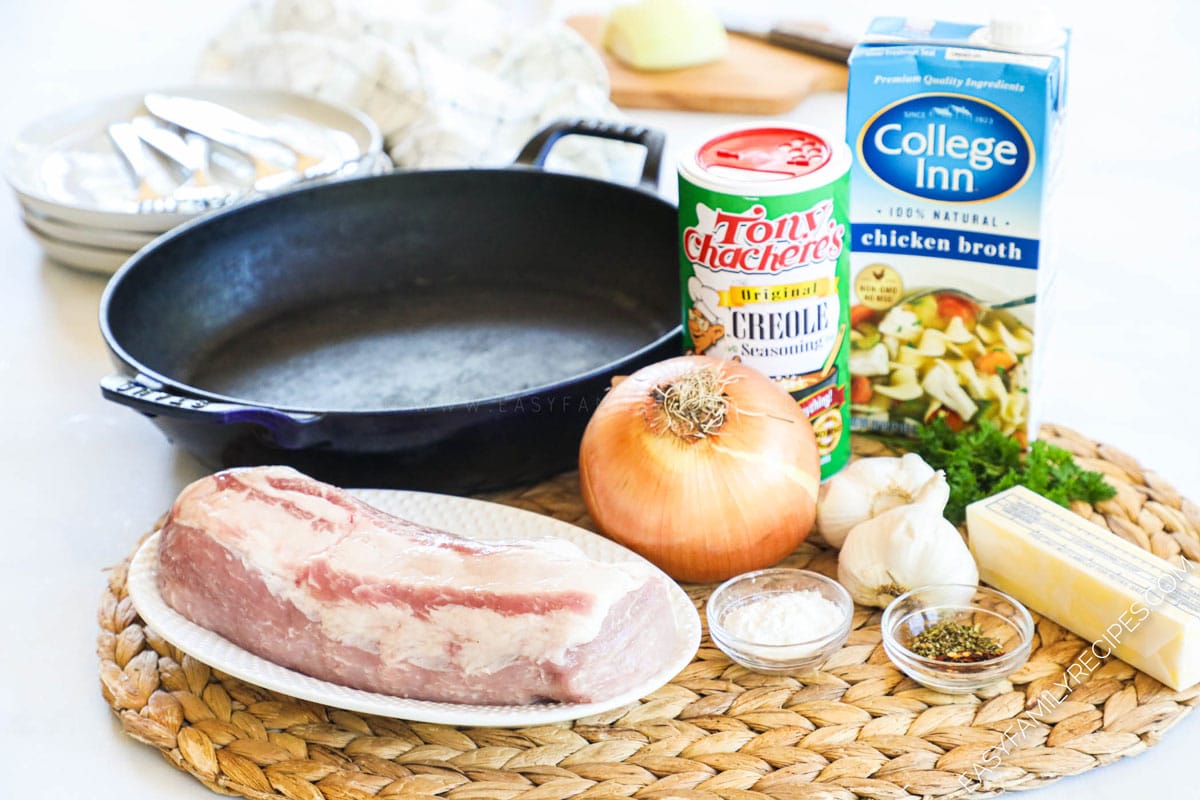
[856, 729]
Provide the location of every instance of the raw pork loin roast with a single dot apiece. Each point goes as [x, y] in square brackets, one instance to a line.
[305, 575]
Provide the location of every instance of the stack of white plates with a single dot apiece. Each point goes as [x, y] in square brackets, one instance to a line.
[81, 203]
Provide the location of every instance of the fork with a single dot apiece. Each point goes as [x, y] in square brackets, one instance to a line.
[257, 141]
[129, 146]
[190, 151]
[197, 193]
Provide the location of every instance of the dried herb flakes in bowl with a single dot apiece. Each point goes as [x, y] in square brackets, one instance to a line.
[955, 642]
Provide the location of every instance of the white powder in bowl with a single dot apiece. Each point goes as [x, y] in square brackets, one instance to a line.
[784, 618]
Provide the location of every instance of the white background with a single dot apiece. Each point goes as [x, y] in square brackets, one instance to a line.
[80, 478]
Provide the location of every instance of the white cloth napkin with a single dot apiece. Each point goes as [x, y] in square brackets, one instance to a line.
[449, 82]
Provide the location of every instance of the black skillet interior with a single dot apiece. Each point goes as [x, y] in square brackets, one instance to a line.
[384, 302]
[406, 291]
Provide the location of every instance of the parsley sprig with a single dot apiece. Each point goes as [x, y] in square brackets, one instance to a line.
[983, 461]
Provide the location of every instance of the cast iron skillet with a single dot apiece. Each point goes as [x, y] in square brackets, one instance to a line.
[449, 330]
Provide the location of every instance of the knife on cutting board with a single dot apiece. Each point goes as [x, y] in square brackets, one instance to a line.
[754, 78]
[805, 37]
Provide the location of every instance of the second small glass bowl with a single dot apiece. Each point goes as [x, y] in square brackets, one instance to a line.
[997, 615]
[751, 587]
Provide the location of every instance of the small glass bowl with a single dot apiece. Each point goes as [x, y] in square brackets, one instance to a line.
[997, 615]
[754, 586]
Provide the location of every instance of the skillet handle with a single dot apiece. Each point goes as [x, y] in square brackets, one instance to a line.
[534, 153]
[288, 429]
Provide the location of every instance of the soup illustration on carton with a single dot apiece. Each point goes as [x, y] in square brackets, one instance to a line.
[954, 129]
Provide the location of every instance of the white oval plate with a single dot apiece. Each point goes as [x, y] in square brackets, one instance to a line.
[86, 235]
[64, 166]
[475, 518]
[101, 260]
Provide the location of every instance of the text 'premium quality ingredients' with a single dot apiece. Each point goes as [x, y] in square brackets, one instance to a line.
[764, 265]
[955, 129]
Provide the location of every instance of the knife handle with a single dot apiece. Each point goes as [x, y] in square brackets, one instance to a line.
[167, 142]
[275, 162]
[813, 42]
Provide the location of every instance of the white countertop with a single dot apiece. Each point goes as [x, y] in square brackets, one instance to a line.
[81, 479]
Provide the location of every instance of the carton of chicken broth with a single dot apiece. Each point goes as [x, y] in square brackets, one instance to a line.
[954, 130]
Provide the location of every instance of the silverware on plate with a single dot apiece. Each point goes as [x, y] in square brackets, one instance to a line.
[147, 180]
[190, 151]
[276, 162]
[157, 191]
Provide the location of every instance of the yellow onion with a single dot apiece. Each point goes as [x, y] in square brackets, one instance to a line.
[705, 467]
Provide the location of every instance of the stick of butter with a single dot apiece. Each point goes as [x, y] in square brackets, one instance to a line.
[1124, 600]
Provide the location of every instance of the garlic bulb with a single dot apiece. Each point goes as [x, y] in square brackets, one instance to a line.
[902, 549]
[870, 486]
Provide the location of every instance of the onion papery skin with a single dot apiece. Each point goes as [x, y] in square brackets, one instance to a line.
[702, 509]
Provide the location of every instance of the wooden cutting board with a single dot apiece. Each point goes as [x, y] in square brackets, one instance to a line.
[753, 78]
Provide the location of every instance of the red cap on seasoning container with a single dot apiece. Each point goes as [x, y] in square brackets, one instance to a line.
[768, 160]
[760, 153]
[764, 257]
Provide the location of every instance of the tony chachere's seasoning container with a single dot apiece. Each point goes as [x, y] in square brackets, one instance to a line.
[764, 265]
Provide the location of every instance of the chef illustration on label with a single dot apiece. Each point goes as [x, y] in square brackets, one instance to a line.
[703, 327]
